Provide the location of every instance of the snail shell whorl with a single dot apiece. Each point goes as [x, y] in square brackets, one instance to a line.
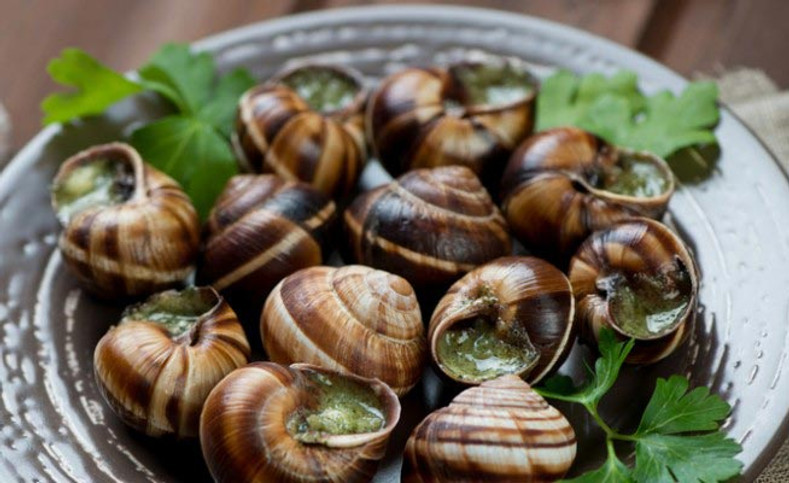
[429, 226]
[278, 132]
[354, 319]
[140, 246]
[262, 229]
[549, 201]
[640, 246]
[244, 436]
[526, 291]
[501, 430]
[156, 383]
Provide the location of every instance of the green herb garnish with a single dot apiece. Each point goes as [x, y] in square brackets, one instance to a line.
[679, 437]
[191, 145]
[616, 110]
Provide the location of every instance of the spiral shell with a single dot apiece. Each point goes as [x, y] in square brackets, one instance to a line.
[555, 195]
[261, 230]
[624, 254]
[500, 430]
[526, 299]
[145, 243]
[244, 433]
[278, 131]
[423, 118]
[354, 319]
[156, 377]
[430, 226]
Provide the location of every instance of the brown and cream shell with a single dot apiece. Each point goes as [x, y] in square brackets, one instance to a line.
[635, 248]
[526, 299]
[244, 433]
[146, 243]
[156, 377]
[278, 132]
[430, 226]
[354, 319]
[552, 193]
[261, 230]
[500, 430]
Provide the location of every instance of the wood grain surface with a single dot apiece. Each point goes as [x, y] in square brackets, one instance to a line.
[688, 35]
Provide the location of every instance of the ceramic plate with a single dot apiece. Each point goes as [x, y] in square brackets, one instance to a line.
[54, 424]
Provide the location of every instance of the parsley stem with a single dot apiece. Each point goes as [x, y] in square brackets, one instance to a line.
[609, 433]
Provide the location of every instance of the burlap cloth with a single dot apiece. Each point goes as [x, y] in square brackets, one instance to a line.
[751, 95]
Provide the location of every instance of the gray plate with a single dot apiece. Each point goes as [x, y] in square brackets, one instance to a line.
[54, 425]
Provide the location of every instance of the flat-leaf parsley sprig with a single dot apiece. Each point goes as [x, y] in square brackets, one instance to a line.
[679, 436]
[191, 145]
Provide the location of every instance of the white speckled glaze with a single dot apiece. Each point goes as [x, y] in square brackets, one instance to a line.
[54, 425]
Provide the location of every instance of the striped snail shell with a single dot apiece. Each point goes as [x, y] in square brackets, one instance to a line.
[564, 183]
[354, 319]
[305, 124]
[430, 226]
[271, 423]
[638, 278]
[500, 430]
[513, 315]
[128, 229]
[157, 366]
[473, 114]
[260, 230]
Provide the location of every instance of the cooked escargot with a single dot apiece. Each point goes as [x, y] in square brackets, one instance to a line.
[471, 114]
[564, 183]
[513, 315]
[262, 229]
[429, 226]
[355, 319]
[266, 422]
[305, 124]
[500, 430]
[638, 278]
[128, 229]
[157, 366]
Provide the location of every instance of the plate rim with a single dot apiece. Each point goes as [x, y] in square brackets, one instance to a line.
[617, 53]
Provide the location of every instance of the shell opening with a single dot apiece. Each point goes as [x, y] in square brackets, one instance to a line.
[98, 182]
[176, 311]
[480, 349]
[335, 405]
[323, 88]
[633, 174]
[491, 84]
[644, 305]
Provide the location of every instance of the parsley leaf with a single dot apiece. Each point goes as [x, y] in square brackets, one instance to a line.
[184, 78]
[96, 87]
[707, 457]
[616, 110]
[612, 471]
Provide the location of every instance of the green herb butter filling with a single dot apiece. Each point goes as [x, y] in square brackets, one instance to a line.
[634, 175]
[322, 88]
[101, 182]
[645, 305]
[176, 311]
[339, 406]
[490, 84]
[480, 350]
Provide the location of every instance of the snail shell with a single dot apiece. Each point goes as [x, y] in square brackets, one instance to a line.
[430, 226]
[262, 229]
[639, 279]
[564, 183]
[279, 131]
[157, 366]
[423, 118]
[143, 240]
[526, 301]
[500, 430]
[354, 319]
[246, 436]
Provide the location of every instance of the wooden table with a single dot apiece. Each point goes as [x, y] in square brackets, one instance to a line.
[688, 35]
